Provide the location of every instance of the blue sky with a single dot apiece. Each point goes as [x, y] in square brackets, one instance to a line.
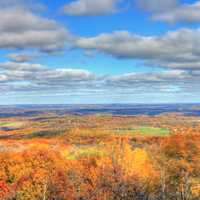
[99, 51]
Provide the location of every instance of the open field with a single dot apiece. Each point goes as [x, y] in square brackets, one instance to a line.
[11, 124]
[144, 131]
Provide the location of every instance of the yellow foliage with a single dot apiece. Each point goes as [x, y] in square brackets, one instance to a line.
[195, 189]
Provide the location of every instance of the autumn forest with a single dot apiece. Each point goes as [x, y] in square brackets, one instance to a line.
[100, 157]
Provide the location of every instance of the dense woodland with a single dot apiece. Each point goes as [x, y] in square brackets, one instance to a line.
[50, 157]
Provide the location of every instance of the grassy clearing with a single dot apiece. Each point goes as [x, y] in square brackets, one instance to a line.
[144, 131]
[78, 153]
[11, 124]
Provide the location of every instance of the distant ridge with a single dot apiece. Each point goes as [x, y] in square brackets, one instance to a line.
[92, 109]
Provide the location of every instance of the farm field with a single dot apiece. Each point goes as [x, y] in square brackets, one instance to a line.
[11, 124]
[144, 131]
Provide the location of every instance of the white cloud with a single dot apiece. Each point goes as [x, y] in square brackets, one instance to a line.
[14, 66]
[179, 49]
[40, 75]
[157, 5]
[21, 57]
[90, 7]
[28, 78]
[189, 13]
[171, 11]
[21, 29]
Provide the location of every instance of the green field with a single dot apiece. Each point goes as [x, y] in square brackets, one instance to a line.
[84, 152]
[11, 124]
[144, 131]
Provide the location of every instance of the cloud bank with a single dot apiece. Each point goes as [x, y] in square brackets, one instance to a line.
[178, 50]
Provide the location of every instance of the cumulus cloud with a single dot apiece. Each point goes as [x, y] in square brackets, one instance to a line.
[41, 77]
[157, 5]
[14, 3]
[90, 7]
[34, 5]
[17, 57]
[188, 13]
[14, 66]
[171, 11]
[21, 29]
[173, 82]
[178, 49]
[144, 80]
